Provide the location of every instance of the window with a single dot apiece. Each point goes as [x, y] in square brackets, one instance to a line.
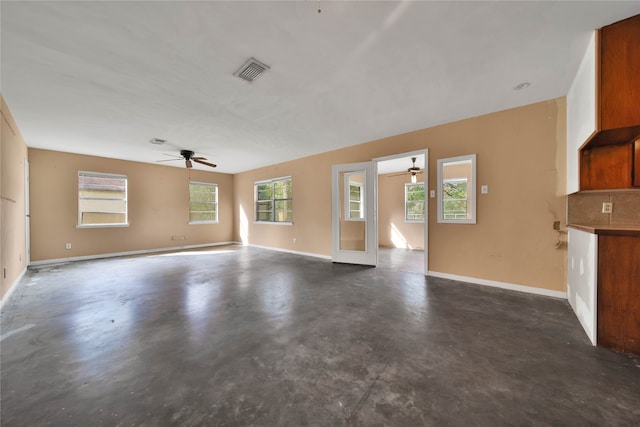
[273, 200]
[414, 202]
[203, 202]
[354, 189]
[454, 198]
[102, 199]
[356, 200]
[457, 190]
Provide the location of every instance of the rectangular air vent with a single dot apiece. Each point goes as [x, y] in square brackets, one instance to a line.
[251, 70]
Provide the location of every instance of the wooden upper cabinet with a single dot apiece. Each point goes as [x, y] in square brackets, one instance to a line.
[606, 167]
[620, 74]
[618, 83]
[610, 159]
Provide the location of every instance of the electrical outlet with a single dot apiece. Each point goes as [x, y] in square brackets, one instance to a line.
[432, 194]
[607, 207]
[67, 246]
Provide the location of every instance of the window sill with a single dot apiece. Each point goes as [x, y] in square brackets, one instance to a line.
[414, 221]
[101, 225]
[203, 222]
[273, 222]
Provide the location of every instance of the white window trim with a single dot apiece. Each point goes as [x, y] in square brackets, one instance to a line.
[215, 221]
[417, 221]
[255, 200]
[126, 200]
[471, 190]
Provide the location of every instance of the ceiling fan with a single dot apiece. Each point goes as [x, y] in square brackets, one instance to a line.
[189, 157]
[413, 170]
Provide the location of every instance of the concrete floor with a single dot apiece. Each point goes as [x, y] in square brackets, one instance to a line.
[245, 336]
[408, 260]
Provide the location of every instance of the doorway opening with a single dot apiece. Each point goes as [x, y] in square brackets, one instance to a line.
[402, 194]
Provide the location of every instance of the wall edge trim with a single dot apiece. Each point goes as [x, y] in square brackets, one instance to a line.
[12, 288]
[117, 254]
[290, 251]
[502, 285]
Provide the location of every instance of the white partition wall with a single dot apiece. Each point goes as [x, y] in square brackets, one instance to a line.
[581, 112]
[582, 277]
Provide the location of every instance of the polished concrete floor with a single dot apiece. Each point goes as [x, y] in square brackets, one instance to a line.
[241, 336]
[409, 260]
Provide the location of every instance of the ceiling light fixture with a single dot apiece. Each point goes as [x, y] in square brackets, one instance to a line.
[522, 85]
[414, 179]
[251, 70]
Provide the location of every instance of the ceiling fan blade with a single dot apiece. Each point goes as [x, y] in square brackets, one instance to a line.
[167, 160]
[398, 174]
[197, 160]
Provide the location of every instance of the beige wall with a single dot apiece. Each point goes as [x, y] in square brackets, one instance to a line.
[391, 223]
[158, 203]
[12, 225]
[521, 155]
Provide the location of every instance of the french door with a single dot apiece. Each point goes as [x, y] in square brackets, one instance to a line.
[353, 215]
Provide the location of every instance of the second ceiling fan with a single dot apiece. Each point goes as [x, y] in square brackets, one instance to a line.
[414, 171]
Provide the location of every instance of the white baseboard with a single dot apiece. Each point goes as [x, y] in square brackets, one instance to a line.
[12, 288]
[289, 251]
[502, 285]
[116, 254]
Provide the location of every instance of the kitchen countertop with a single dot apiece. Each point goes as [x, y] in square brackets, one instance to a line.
[607, 229]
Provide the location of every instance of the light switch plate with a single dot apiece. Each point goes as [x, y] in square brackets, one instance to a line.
[484, 189]
[432, 194]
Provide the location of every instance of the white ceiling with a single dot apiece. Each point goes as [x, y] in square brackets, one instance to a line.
[103, 78]
[400, 164]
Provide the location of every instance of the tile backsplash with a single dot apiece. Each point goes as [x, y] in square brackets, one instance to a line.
[585, 207]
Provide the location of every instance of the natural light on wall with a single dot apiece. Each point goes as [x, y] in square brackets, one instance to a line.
[398, 239]
[244, 227]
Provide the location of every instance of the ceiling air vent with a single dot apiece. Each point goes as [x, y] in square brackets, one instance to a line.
[251, 70]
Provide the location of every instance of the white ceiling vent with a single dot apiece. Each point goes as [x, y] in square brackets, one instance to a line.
[251, 70]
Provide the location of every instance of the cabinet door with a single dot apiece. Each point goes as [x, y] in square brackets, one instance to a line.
[620, 74]
[619, 293]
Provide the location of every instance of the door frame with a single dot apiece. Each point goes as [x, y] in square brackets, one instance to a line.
[427, 194]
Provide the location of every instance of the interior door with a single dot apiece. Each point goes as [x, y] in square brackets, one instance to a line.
[27, 215]
[354, 238]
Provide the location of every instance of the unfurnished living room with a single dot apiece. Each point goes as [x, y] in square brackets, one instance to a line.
[325, 213]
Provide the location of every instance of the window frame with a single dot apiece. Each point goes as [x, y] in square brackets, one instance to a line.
[209, 221]
[273, 200]
[406, 201]
[126, 200]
